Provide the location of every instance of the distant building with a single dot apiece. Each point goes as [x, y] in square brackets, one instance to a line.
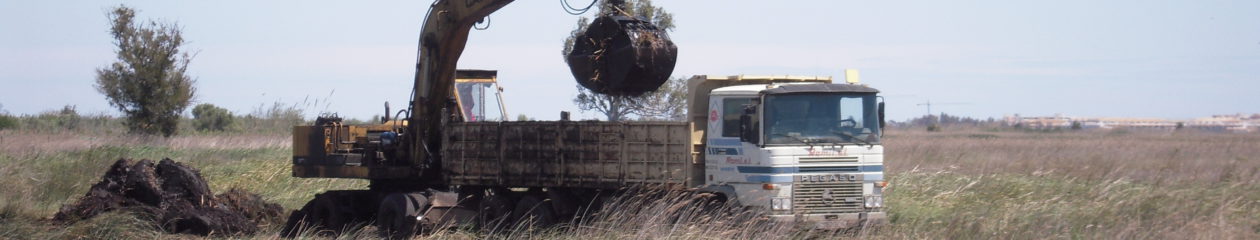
[1057, 121]
[1227, 123]
[1217, 123]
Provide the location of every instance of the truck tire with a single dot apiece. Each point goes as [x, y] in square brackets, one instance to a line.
[327, 215]
[709, 203]
[534, 211]
[320, 216]
[396, 216]
[495, 210]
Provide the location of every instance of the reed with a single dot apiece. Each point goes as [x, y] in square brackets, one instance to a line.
[966, 184]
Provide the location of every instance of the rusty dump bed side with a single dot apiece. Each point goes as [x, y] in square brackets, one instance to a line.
[569, 154]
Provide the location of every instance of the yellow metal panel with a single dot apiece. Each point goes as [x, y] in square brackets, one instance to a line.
[476, 80]
[851, 76]
[301, 138]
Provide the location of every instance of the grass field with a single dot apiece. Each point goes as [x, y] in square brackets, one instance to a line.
[952, 184]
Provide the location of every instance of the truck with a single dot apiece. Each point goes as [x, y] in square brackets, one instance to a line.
[794, 149]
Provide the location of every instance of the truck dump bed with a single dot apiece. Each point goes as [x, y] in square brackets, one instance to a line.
[570, 154]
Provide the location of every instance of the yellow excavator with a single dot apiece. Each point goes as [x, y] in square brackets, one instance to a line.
[402, 157]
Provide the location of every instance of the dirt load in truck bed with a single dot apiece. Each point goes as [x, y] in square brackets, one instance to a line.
[175, 197]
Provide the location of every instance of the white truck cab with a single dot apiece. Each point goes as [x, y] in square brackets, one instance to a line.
[801, 149]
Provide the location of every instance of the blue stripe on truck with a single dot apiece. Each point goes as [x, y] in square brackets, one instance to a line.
[768, 179]
[779, 170]
[724, 142]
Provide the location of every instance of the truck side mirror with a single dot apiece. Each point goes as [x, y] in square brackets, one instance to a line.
[748, 130]
[882, 122]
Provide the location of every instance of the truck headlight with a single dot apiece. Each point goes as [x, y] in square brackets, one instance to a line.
[780, 204]
[874, 201]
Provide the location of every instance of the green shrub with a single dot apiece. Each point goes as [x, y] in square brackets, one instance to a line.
[66, 119]
[275, 118]
[934, 128]
[208, 117]
[8, 122]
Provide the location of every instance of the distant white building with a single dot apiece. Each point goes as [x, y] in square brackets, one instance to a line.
[1218, 123]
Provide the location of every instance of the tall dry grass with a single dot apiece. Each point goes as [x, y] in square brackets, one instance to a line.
[24, 143]
[1082, 184]
[1148, 157]
[968, 184]
[43, 171]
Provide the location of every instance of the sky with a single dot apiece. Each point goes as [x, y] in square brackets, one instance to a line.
[1165, 59]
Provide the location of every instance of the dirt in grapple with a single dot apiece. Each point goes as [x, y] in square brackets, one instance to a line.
[175, 197]
[622, 56]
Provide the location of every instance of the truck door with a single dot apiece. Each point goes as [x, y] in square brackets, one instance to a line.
[724, 151]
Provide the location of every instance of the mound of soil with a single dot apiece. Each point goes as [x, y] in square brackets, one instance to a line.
[175, 197]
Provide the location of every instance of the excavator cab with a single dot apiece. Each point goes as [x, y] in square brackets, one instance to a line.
[472, 93]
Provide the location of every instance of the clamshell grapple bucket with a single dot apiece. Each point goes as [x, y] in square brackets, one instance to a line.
[622, 56]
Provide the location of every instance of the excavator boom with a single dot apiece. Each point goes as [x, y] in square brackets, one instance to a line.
[442, 41]
[402, 158]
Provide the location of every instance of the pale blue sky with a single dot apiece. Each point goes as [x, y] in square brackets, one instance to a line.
[1170, 59]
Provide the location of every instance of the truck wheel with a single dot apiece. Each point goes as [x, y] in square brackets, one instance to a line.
[494, 210]
[320, 216]
[328, 216]
[396, 217]
[709, 203]
[590, 208]
[535, 212]
[298, 222]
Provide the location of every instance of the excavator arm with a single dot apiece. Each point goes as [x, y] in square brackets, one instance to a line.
[442, 41]
[618, 55]
[623, 56]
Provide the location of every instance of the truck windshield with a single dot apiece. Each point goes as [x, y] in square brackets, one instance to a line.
[821, 118]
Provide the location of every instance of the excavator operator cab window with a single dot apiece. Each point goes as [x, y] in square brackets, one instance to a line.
[477, 91]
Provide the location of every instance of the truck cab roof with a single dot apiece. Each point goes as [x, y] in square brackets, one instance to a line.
[821, 88]
[787, 88]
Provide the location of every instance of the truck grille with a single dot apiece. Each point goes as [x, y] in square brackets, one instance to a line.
[829, 169]
[846, 159]
[827, 197]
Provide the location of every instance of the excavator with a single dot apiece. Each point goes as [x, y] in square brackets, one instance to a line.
[401, 156]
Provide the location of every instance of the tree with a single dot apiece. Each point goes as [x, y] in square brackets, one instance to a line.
[614, 108]
[148, 81]
[522, 117]
[668, 102]
[208, 117]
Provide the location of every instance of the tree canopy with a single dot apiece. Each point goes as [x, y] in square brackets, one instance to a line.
[148, 82]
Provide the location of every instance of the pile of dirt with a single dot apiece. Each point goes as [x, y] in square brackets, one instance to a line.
[175, 197]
